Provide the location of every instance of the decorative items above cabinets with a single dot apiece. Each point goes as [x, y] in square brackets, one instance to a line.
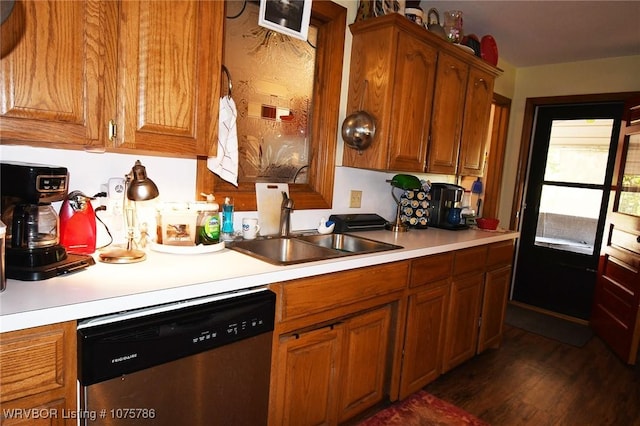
[430, 98]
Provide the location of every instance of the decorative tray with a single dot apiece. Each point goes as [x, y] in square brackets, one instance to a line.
[199, 249]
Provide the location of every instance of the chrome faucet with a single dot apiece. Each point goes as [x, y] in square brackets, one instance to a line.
[285, 214]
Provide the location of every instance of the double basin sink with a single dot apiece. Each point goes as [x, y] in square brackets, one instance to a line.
[308, 248]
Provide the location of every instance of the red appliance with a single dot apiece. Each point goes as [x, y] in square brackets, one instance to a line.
[78, 224]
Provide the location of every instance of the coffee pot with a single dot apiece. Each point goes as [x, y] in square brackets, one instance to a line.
[32, 226]
[33, 249]
[445, 208]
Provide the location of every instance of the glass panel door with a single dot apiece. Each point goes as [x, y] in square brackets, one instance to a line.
[573, 185]
[571, 167]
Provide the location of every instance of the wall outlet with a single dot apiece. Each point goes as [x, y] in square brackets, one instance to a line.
[355, 200]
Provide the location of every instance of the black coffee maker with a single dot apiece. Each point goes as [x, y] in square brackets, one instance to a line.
[33, 250]
[444, 207]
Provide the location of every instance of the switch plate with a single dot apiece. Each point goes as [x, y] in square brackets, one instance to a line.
[355, 200]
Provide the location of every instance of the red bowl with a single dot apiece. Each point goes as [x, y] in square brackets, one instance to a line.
[487, 223]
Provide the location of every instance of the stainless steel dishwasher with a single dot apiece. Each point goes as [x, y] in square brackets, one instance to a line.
[199, 362]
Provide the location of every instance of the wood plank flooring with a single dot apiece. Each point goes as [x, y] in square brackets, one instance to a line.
[533, 380]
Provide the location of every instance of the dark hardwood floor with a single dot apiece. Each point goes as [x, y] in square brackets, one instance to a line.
[533, 380]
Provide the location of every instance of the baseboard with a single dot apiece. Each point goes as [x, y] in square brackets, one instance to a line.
[550, 313]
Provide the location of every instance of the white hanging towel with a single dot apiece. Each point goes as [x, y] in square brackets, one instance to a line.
[225, 163]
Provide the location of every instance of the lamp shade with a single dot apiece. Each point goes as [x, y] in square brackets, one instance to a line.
[405, 182]
[141, 188]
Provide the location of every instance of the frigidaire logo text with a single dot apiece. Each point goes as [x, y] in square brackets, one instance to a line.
[123, 358]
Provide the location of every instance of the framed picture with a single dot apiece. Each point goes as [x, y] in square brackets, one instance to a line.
[289, 17]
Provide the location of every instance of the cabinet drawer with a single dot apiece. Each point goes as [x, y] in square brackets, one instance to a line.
[35, 360]
[316, 294]
[430, 269]
[470, 260]
[500, 254]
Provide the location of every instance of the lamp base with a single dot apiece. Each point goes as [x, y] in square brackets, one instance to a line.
[122, 255]
[396, 227]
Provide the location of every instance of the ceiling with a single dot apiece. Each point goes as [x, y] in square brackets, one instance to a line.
[530, 33]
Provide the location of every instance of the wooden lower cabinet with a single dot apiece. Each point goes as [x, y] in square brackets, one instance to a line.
[309, 380]
[345, 343]
[38, 375]
[336, 349]
[494, 305]
[363, 363]
[333, 373]
[424, 337]
[455, 309]
[463, 320]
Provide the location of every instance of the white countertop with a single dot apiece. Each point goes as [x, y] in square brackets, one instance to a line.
[164, 278]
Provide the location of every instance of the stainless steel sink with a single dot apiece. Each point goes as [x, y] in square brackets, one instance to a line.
[308, 248]
[348, 244]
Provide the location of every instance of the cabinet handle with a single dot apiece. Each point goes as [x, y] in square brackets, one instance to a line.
[483, 81]
[112, 130]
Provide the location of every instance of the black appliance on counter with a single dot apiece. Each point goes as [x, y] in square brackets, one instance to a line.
[33, 250]
[357, 222]
[444, 197]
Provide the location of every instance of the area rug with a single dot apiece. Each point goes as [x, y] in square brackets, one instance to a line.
[422, 409]
[548, 326]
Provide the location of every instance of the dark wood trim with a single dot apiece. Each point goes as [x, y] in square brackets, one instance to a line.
[497, 148]
[531, 106]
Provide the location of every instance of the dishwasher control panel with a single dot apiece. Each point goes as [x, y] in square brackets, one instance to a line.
[238, 328]
[110, 350]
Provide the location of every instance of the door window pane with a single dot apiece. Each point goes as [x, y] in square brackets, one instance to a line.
[568, 218]
[578, 151]
[630, 194]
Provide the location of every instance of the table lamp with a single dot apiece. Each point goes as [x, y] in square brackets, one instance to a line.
[404, 182]
[138, 187]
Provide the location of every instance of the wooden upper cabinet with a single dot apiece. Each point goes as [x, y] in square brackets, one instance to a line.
[71, 68]
[168, 68]
[51, 71]
[448, 107]
[461, 114]
[477, 111]
[411, 104]
[431, 100]
[399, 70]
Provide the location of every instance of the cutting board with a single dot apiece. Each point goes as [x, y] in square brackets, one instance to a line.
[269, 198]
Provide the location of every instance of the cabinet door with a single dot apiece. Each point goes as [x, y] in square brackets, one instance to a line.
[412, 99]
[169, 64]
[308, 363]
[363, 364]
[38, 374]
[494, 305]
[424, 337]
[448, 106]
[477, 113]
[51, 74]
[464, 315]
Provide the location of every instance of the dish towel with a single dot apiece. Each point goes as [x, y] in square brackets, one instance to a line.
[225, 164]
